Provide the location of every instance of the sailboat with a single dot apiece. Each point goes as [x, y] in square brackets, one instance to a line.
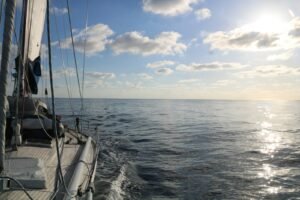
[40, 158]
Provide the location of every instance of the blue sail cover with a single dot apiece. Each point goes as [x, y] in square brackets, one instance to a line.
[34, 73]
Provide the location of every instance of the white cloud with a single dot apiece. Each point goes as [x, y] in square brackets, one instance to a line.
[96, 39]
[159, 64]
[257, 37]
[209, 66]
[44, 51]
[137, 85]
[100, 75]
[187, 81]
[94, 83]
[91, 77]
[145, 76]
[58, 11]
[241, 39]
[164, 71]
[168, 7]
[59, 73]
[203, 14]
[166, 43]
[295, 28]
[224, 83]
[98, 79]
[281, 56]
[269, 71]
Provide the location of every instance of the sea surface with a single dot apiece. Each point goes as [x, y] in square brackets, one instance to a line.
[193, 149]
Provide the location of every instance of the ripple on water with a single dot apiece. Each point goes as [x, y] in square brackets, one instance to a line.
[127, 121]
[142, 140]
[197, 149]
[158, 180]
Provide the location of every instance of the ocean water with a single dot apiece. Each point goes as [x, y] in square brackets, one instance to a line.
[194, 149]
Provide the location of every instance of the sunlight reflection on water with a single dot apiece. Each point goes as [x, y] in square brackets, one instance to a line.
[270, 143]
[267, 172]
[198, 149]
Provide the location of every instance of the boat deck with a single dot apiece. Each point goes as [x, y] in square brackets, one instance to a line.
[71, 152]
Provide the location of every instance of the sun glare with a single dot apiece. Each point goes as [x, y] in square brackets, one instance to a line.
[269, 23]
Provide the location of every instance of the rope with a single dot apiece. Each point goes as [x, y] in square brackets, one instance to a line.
[74, 54]
[38, 114]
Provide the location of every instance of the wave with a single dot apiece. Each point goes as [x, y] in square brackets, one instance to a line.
[116, 191]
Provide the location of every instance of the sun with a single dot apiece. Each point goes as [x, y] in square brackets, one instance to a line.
[269, 23]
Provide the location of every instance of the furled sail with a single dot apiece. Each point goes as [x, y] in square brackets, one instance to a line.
[31, 34]
[34, 27]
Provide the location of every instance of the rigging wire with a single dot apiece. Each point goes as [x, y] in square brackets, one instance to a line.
[64, 23]
[84, 52]
[63, 64]
[74, 54]
[53, 101]
[1, 9]
[19, 184]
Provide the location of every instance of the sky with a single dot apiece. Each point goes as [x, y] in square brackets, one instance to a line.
[176, 49]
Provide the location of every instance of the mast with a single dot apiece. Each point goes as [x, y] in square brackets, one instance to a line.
[28, 63]
[6, 48]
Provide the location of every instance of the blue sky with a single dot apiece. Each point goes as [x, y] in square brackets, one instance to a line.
[186, 49]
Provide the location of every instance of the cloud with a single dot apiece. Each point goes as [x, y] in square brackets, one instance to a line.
[59, 73]
[44, 51]
[257, 37]
[203, 14]
[166, 43]
[241, 39]
[224, 83]
[269, 71]
[100, 75]
[98, 79]
[164, 71]
[159, 64]
[93, 84]
[58, 11]
[187, 81]
[209, 66]
[96, 39]
[282, 56]
[168, 7]
[137, 85]
[145, 76]
[295, 28]
[90, 76]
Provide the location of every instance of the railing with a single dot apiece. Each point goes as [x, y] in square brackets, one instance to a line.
[80, 126]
